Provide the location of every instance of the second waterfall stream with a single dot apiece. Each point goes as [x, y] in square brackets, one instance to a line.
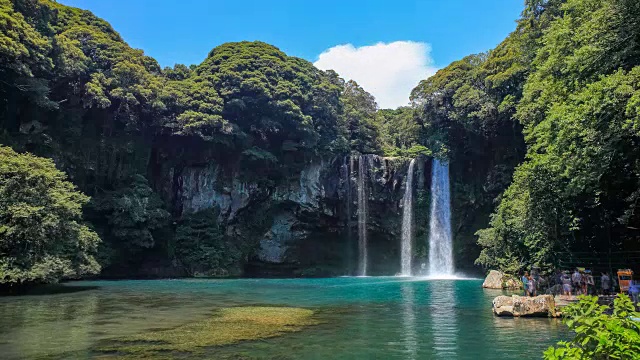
[407, 224]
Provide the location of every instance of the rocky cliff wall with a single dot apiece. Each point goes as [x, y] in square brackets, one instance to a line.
[308, 222]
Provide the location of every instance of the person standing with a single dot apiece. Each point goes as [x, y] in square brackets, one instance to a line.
[634, 291]
[605, 283]
[566, 284]
[558, 277]
[576, 279]
[525, 282]
[589, 283]
[531, 286]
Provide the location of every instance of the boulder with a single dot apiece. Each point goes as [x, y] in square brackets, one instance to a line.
[511, 283]
[493, 280]
[541, 306]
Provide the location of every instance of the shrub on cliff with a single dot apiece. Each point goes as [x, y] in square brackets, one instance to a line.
[597, 334]
[201, 247]
[42, 238]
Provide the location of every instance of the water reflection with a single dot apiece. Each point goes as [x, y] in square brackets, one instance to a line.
[361, 318]
[60, 327]
[409, 320]
[443, 319]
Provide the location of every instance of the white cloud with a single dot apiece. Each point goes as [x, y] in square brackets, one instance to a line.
[387, 71]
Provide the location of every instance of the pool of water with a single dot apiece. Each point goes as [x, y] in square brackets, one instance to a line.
[362, 318]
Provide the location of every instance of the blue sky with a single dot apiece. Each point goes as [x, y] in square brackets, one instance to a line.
[445, 30]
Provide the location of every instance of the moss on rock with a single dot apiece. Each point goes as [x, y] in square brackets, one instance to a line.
[228, 326]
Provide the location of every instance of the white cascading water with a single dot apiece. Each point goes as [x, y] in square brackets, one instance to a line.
[440, 246]
[346, 168]
[407, 224]
[362, 216]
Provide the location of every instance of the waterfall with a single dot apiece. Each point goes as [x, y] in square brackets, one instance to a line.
[440, 247]
[362, 216]
[346, 168]
[407, 223]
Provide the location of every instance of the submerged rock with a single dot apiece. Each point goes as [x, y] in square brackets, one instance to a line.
[227, 326]
[493, 280]
[541, 306]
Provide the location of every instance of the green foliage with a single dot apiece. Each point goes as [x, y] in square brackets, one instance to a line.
[73, 90]
[24, 49]
[399, 132]
[127, 219]
[201, 247]
[42, 238]
[465, 113]
[194, 108]
[276, 102]
[578, 188]
[359, 113]
[597, 334]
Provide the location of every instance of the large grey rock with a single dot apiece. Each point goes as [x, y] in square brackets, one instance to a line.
[493, 280]
[203, 188]
[308, 190]
[279, 238]
[540, 306]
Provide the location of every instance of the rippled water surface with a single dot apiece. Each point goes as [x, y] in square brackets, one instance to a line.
[362, 318]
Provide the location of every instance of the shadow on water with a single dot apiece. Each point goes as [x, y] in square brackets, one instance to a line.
[51, 289]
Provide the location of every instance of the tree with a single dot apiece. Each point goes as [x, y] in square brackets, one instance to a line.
[578, 189]
[359, 113]
[24, 62]
[399, 132]
[279, 104]
[42, 238]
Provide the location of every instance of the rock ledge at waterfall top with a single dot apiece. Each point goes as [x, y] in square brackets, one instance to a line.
[517, 306]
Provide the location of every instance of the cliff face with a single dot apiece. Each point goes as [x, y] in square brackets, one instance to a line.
[307, 225]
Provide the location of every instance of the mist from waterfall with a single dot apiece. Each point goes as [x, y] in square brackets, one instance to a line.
[440, 240]
[362, 216]
[407, 224]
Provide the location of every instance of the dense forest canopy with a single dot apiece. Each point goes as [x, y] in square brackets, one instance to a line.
[541, 132]
[576, 193]
[557, 102]
[74, 91]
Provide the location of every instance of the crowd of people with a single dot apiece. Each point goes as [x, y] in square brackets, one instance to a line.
[580, 282]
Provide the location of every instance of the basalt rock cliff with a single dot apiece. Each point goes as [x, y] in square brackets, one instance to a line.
[305, 225]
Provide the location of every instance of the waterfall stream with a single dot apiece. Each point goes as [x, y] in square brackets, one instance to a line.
[440, 246]
[407, 223]
[346, 168]
[362, 216]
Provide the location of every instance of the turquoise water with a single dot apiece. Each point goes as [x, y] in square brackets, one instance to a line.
[362, 318]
